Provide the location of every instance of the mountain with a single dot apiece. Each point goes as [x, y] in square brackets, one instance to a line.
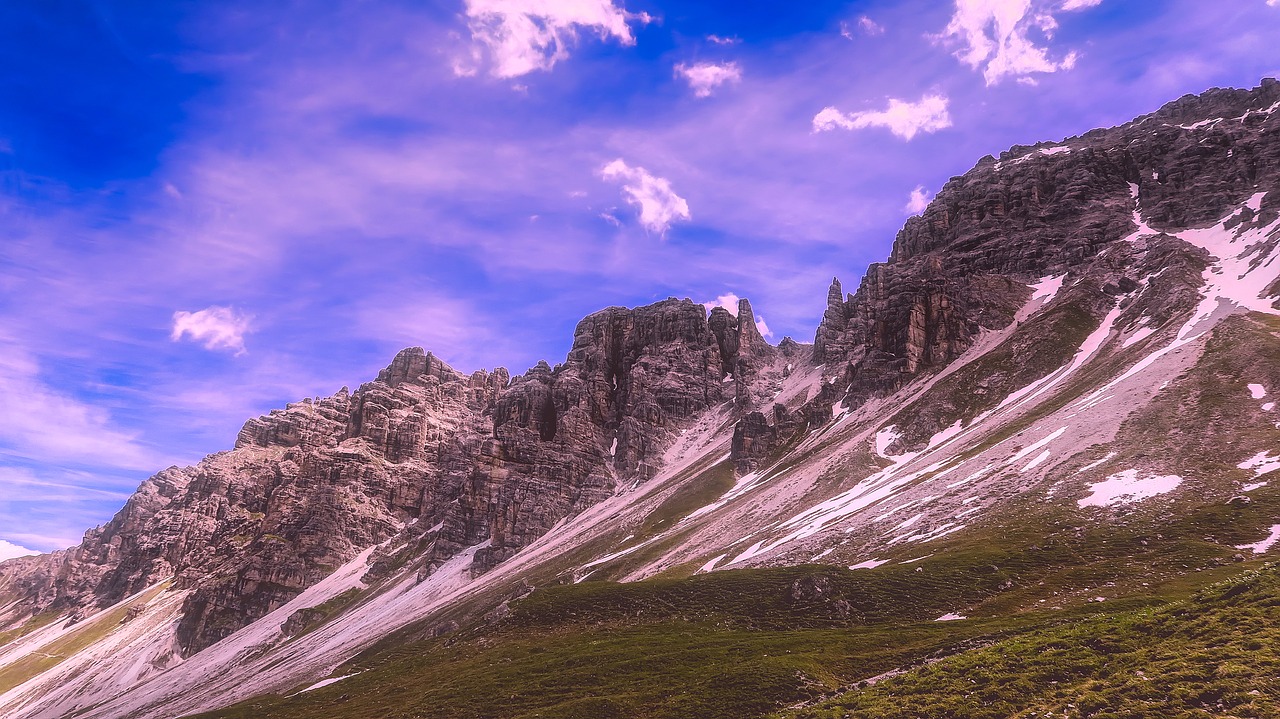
[1049, 417]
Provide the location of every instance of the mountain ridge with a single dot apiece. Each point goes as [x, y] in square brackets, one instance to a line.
[1039, 278]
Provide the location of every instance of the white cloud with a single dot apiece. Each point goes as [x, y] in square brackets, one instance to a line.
[9, 550]
[217, 328]
[527, 35]
[728, 301]
[904, 119]
[996, 36]
[869, 26]
[659, 205]
[707, 76]
[918, 202]
[720, 40]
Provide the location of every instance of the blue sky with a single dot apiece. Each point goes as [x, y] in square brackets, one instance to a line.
[211, 209]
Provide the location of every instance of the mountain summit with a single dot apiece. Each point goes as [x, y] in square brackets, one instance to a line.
[1057, 392]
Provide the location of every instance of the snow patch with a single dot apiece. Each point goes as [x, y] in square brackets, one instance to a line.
[1257, 391]
[1039, 458]
[1261, 463]
[1033, 447]
[886, 437]
[1126, 487]
[712, 564]
[620, 553]
[869, 564]
[1202, 123]
[1094, 465]
[950, 617]
[1142, 333]
[1047, 287]
[1264, 545]
[327, 682]
[1143, 228]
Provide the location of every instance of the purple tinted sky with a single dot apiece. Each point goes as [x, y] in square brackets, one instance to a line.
[214, 208]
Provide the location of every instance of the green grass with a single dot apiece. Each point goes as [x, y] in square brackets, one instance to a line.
[703, 489]
[1215, 655]
[622, 668]
[311, 618]
[79, 638]
[734, 644]
[38, 621]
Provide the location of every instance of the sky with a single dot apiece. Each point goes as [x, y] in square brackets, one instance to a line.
[212, 209]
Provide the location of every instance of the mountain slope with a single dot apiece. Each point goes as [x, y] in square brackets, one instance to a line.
[1063, 374]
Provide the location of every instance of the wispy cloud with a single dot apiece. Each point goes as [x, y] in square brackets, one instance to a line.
[45, 425]
[522, 36]
[705, 77]
[721, 40]
[216, 328]
[902, 118]
[659, 205]
[999, 37]
[918, 201]
[47, 508]
[870, 27]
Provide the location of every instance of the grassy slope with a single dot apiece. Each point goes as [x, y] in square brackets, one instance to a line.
[749, 643]
[74, 641]
[1214, 655]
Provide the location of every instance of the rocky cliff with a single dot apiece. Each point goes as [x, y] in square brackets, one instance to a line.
[962, 267]
[424, 459]
[1069, 319]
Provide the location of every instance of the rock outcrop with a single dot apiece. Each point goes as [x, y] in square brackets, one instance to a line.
[425, 462]
[963, 265]
[428, 457]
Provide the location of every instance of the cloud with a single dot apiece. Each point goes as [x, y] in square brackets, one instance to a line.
[996, 37]
[8, 550]
[46, 508]
[706, 76]
[729, 301]
[866, 26]
[659, 204]
[904, 119]
[50, 427]
[918, 202]
[869, 26]
[218, 328]
[527, 35]
[720, 40]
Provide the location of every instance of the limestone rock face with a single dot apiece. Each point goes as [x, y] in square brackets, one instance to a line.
[433, 459]
[755, 439]
[425, 462]
[963, 265]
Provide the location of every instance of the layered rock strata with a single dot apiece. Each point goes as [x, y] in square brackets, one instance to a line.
[424, 459]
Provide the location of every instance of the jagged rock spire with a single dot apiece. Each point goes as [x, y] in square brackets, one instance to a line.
[749, 338]
[831, 330]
